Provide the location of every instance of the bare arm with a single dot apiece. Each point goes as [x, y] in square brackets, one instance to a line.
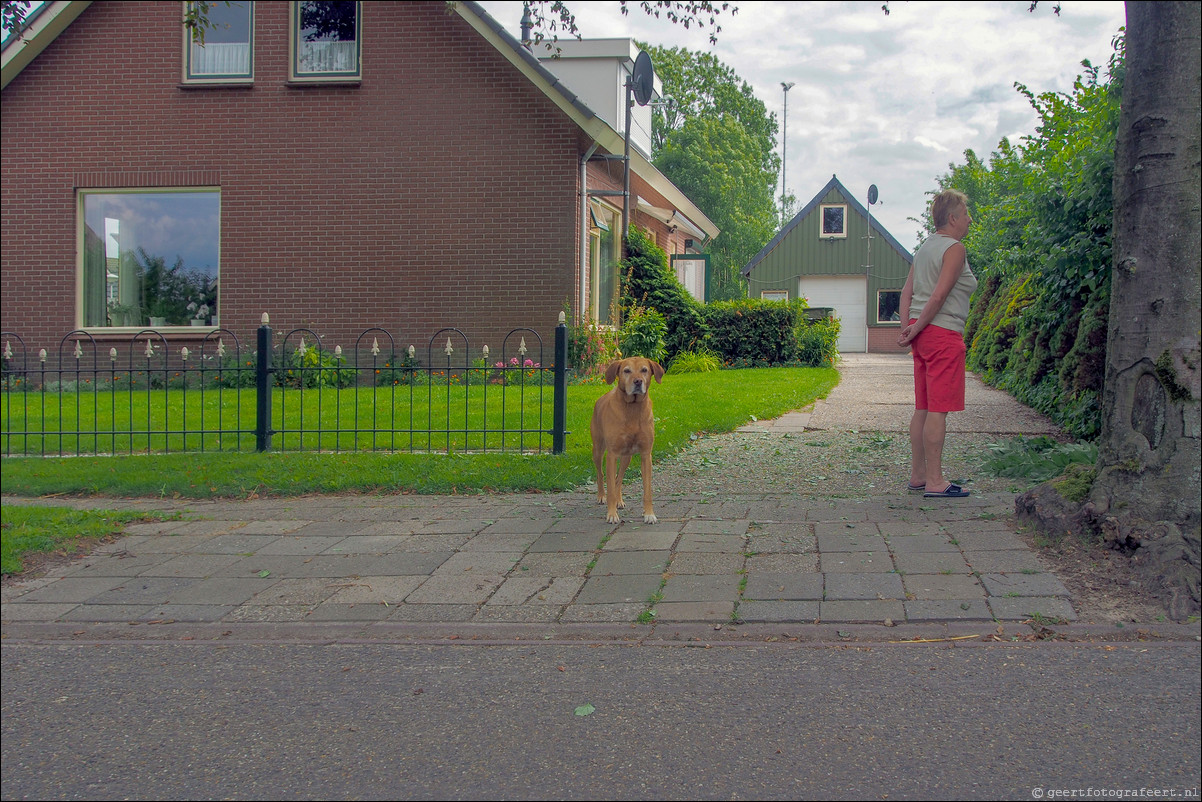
[949, 274]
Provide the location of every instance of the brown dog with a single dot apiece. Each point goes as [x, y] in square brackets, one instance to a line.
[622, 426]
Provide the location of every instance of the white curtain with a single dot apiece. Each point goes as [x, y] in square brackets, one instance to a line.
[327, 57]
[221, 58]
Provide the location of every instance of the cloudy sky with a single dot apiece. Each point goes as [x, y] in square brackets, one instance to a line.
[886, 100]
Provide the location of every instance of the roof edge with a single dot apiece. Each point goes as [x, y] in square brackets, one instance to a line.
[43, 26]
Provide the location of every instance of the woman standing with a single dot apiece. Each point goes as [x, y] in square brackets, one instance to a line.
[935, 301]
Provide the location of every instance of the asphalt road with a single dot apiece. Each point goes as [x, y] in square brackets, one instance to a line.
[297, 720]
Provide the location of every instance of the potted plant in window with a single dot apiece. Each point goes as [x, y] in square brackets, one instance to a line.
[200, 316]
[123, 315]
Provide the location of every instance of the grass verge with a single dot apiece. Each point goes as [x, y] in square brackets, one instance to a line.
[48, 530]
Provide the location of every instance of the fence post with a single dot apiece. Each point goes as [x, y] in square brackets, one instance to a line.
[560, 402]
[263, 388]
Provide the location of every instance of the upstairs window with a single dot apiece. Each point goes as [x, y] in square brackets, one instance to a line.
[325, 40]
[834, 221]
[227, 52]
[888, 306]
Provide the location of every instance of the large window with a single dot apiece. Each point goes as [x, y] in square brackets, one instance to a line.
[150, 258]
[604, 256]
[834, 221]
[325, 39]
[228, 49]
[888, 306]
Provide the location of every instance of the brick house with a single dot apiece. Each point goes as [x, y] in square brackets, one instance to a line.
[824, 255]
[337, 165]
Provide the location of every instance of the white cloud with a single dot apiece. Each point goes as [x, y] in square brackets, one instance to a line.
[886, 100]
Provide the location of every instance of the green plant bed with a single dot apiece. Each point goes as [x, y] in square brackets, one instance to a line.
[686, 406]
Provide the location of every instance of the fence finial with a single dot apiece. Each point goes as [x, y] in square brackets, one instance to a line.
[112, 354]
[448, 350]
[375, 346]
[183, 353]
[563, 317]
[265, 320]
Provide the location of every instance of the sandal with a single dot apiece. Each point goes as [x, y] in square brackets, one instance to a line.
[951, 491]
[918, 488]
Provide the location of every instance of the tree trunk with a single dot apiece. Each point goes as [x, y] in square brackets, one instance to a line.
[1146, 496]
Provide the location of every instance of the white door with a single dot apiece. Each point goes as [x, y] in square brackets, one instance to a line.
[847, 295]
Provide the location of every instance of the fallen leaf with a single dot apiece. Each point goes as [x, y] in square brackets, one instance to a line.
[585, 709]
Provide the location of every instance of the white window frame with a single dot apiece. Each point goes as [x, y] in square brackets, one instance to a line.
[246, 77]
[877, 314]
[774, 295]
[295, 75]
[822, 234]
[615, 217]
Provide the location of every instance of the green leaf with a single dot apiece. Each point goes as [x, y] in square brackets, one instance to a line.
[585, 709]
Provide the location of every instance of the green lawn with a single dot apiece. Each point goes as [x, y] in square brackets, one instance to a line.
[30, 530]
[686, 406]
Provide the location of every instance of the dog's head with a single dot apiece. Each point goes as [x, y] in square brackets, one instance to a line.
[634, 375]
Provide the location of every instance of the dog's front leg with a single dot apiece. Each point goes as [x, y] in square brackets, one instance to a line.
[613, 493]
[648, 511]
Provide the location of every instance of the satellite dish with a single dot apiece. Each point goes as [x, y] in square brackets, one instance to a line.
[872, 196]
[643, 80]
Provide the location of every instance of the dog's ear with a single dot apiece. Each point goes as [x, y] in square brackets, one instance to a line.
[611, 372]
[658, 370]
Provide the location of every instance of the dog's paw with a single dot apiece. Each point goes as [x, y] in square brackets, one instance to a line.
[649, 518]
[613, 518]
[621, 504]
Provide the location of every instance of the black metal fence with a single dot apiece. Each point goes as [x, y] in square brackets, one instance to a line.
[140, 394]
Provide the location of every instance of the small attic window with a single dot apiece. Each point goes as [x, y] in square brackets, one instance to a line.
[834, 221]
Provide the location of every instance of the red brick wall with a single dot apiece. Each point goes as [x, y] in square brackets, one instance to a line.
[440, 191]
[883, 340]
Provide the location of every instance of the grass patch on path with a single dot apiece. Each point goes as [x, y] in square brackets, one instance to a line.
[55, 530]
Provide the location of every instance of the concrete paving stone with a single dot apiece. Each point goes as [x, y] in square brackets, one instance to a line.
[782, 529]
[518, 526]
[855, 562]
[632, 562]
[1004, 562]
[272, 527]
[207, 527]
[406, 563]
[433, 612]
[662, 526]
[601, 613]
[20, 611]
[567, 563]
[78, 589]
[619, 589]
[188, 612]
[300, 544]
[567, 541]
[986, 541]
[517, 614]
[675, 509]
[948, 610]
[193, 564]
[836, 512]
[849, 611]
[760, 543]
[307, 591]
[319, 565]
[500, 541]
[1024, 585]
[238, 543]
[482, 562]
[453, 526]
[704, 541]
[788, 510]
[931, 562]
[394, 528]
[729, 509]
[463, 589]
[777, 611]
[864, 586]
[921, 544]
[172, 543]
[1052, 608]
[596, 525]
[536, 591]
[737, 526]
[624, 540]
[783, 587]
[220, 590]
[269, 614]
[707, 562]
[851, 540]
[903, 528]
[700, 588]
[367, 544]
[433, 543]
[372, 590]
[709, 610]
[115, 564]
[782, 563]
[350, 612]
[108, 612]
[942, 586]
[152, 528]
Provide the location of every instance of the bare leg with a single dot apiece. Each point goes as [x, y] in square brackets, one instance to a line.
[934, 432]
[918, 459]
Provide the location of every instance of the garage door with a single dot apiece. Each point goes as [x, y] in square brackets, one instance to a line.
[846, 295]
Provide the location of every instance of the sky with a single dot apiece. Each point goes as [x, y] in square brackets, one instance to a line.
[885, 100]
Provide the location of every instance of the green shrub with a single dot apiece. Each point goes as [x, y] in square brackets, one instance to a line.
[642, 334]
[591, 348]
[1037, 459]
[702, 361]
[818, 343]
[648, 281]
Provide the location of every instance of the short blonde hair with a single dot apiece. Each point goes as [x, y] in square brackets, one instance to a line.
[944, 204]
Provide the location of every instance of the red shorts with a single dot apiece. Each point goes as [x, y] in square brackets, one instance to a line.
[938, 369]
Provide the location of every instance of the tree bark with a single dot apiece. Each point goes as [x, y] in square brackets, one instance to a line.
[1146, 496]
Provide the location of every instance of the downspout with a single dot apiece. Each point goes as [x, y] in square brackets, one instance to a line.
[581, 305]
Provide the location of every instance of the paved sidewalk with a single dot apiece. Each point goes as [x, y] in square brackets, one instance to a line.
[552, 558]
